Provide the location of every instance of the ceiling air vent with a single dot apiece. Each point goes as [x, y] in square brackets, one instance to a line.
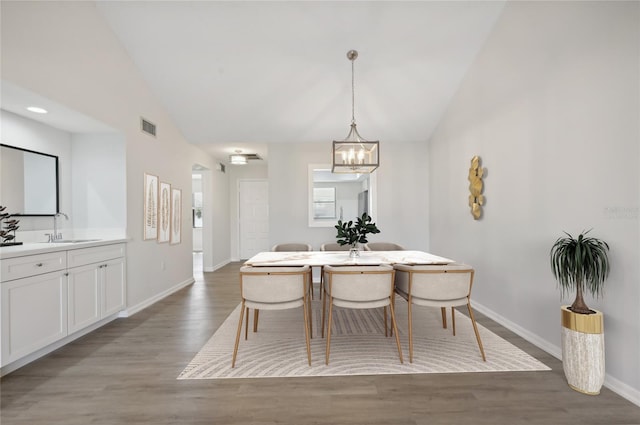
[148, 127]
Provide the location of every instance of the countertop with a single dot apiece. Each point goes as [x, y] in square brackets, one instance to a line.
[30, 248]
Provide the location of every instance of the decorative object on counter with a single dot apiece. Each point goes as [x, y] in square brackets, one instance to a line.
[354, 154]
[150, 206]
[476, 198]
[164, 212]
[355, 233]
[581, 263]
[8, 226]
[176, 216]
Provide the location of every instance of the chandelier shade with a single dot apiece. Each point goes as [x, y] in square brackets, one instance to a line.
[354, 154]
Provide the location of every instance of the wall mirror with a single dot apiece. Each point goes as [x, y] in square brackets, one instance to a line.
[334, 197]
[28, 182]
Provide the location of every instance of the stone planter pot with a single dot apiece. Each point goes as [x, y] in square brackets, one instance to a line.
[583, 350]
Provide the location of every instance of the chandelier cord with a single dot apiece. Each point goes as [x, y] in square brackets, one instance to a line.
[353, 94]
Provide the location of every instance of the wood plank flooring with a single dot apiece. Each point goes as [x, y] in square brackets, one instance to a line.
[125, 373]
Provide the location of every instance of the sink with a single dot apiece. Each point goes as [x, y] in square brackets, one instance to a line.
[75, 240]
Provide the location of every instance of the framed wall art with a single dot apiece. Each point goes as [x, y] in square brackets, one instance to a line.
[150, 206]
[164, 212]
[176, 216]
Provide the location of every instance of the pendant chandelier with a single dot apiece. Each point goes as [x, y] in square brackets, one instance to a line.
[355, 154]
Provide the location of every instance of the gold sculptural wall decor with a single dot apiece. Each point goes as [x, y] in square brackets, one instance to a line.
[476, 198]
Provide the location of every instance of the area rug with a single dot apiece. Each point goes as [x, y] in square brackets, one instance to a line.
[358, 347]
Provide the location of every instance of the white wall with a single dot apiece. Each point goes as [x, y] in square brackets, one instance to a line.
[98, 184]
[551, 104]
[401, 198]
[65, 51]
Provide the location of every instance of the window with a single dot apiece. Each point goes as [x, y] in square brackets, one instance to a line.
[324, 202]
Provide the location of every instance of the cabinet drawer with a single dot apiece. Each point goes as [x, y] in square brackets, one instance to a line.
[80, 257]
[32, 265]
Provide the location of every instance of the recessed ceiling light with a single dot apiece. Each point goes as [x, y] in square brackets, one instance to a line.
[37, 110]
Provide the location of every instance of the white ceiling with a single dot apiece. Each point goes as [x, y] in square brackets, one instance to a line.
[238, 75]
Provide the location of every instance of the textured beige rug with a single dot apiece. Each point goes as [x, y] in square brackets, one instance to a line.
[358, 347]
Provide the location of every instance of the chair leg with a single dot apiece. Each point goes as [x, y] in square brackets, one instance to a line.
[443, 311]
[311, 286]
[246, 328]
[324, 309]
[256, 312]
[305, 313]
[326, 360]
[453, 320]
[393, 301]
[395, 328]
[475, 329]
[409, 304]
[235, 348]
[321, 280]
[307, 303]
[384, 311]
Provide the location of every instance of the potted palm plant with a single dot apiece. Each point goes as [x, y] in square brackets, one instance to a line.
[354, 233]
[581, 264]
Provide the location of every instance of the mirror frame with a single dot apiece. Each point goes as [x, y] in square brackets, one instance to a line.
[373, 188]
[57, 169]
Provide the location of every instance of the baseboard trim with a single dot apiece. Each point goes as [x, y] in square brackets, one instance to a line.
[217, 266]
[614, 384]
[23, 361]
[622, 389]
[130, 311]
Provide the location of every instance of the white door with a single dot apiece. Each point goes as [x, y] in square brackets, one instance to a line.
[254, 217]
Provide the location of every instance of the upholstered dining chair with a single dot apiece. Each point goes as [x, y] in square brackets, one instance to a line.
[292, 246]
[383, 246]
[273, 288]
[330, 246]
[333, 246]
[436, 286]
[358, 287]
[296, 247]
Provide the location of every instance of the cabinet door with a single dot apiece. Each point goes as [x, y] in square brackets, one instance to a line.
[113, 286]
[84, 293]
[34, 314]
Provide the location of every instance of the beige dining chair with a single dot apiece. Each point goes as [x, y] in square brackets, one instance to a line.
[436, 286]
[273, 288]
[383, 246]
[333, 246]
[297, 247]
[291, 247]
[358, 287]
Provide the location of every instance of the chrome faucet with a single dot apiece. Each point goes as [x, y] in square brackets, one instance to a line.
[55, 236]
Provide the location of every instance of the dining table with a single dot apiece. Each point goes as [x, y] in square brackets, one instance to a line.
[342, 258]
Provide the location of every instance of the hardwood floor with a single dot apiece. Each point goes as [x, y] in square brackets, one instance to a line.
[125, 373]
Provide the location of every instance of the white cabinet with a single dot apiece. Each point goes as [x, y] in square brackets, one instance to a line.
[48, 297]
[113, 286]
[96, 290]
[34, 314]
[84, 296]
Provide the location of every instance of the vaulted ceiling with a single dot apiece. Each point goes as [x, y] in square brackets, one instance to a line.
[241, 74]
[238, 75]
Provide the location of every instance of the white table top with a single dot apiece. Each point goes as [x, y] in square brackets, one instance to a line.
[341, 258]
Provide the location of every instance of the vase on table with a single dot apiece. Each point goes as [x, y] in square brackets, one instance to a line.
[354, 252]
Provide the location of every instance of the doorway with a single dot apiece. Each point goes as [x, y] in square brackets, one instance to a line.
[253, 217]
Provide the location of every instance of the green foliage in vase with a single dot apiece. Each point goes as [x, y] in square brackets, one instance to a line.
[582, 264]
[351, 233]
